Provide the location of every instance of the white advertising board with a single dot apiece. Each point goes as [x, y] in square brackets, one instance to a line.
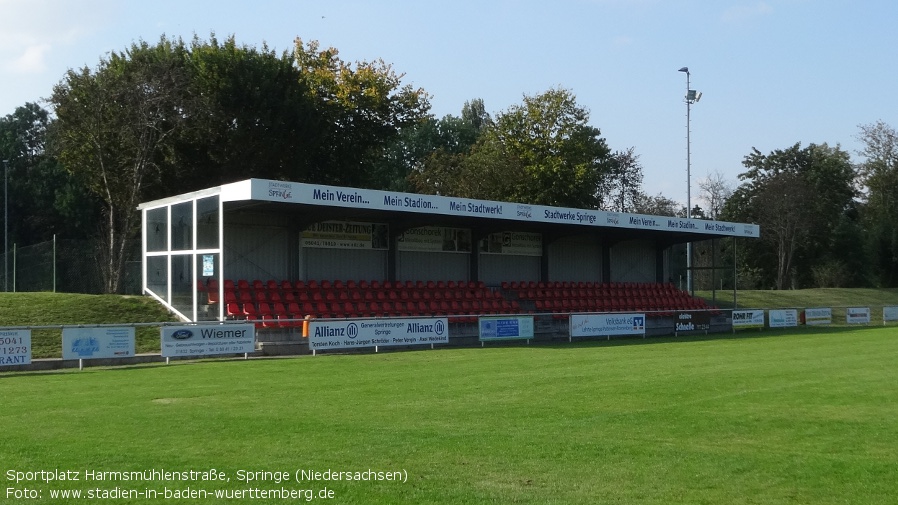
[506, 328]
[748, 319]
[592, 325]
[316, 194]
[889, 314]
[15, 347]
[857, 315]
[783, 318]
[204, 340]
[97, 343]
[817, 316]
[324, 334]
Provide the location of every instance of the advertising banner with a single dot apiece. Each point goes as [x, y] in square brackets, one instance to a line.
[783, 318]
[857, 315]
[206, 340]
[889, 314]
[506, 328]
[748, 319]
[592, 325]
[97, 343]
[15, 347]
[513, 242]
[377, 332]
[346, 235]
[435, 239]
[696, 320]
[353, 198]
[818, 316]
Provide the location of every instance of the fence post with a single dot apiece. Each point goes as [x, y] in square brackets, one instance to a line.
[14, 268]
[54, 262]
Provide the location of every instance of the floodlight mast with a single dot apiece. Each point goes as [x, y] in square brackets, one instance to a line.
[691, 98]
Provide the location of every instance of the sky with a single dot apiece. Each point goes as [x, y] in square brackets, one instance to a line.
[772, 73]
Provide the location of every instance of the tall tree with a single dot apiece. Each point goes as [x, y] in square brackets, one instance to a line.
[878, 173]
[542, 152]
[250, 116]
[622, 185]
[798, 196]
[46, 200]
[714, 191]
[112, 125]
[360, 110]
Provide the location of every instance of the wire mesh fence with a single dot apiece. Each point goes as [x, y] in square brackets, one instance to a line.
[64, 265]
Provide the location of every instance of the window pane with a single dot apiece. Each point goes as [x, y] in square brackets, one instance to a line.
[182, 226]
[157, 229]
[207, 223]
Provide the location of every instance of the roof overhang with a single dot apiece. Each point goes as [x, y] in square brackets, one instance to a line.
[407, 210]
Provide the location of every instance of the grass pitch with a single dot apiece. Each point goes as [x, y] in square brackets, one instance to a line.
[804, 416]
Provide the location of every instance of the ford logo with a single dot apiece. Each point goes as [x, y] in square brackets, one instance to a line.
[182, 334]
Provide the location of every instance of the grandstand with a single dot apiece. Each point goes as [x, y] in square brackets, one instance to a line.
[274, 252]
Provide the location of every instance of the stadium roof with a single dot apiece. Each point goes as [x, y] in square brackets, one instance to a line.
[311, 203]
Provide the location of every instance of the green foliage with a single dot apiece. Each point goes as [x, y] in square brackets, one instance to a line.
[541, 152]
[879, 175]
[44, 198]
[359, 111]
[799, 196]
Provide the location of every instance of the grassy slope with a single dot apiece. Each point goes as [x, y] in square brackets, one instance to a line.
[43, 309]
[835, 298]
[803, 298]
[777, 418]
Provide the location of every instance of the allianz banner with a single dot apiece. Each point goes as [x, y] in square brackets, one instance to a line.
[357, 333]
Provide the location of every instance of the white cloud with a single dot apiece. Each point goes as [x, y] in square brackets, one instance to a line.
[739, 13]
[33, 60]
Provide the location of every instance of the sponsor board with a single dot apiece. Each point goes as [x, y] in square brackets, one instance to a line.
[205, 340]
[687, 321]
[519, 243]
[346, 235]
[353, 198]
[506, 328]
[435, 239]
[97, 343]
[359, 333]
[15, 347]
[857, 315]
[818, 316]
[889, 314]
[748, 319]
[783, 318]
[592, 325]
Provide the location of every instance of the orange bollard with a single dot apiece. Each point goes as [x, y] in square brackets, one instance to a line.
[305, 326]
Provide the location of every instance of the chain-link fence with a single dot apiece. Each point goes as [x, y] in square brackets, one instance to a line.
[64, 265]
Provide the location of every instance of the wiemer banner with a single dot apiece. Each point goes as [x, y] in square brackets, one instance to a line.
[203, 340]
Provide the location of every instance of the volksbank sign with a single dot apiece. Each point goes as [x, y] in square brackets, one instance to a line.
[359, 333]
[594, 325]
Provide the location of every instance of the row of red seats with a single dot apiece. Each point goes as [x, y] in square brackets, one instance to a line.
[285, 291]
[291, 314]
